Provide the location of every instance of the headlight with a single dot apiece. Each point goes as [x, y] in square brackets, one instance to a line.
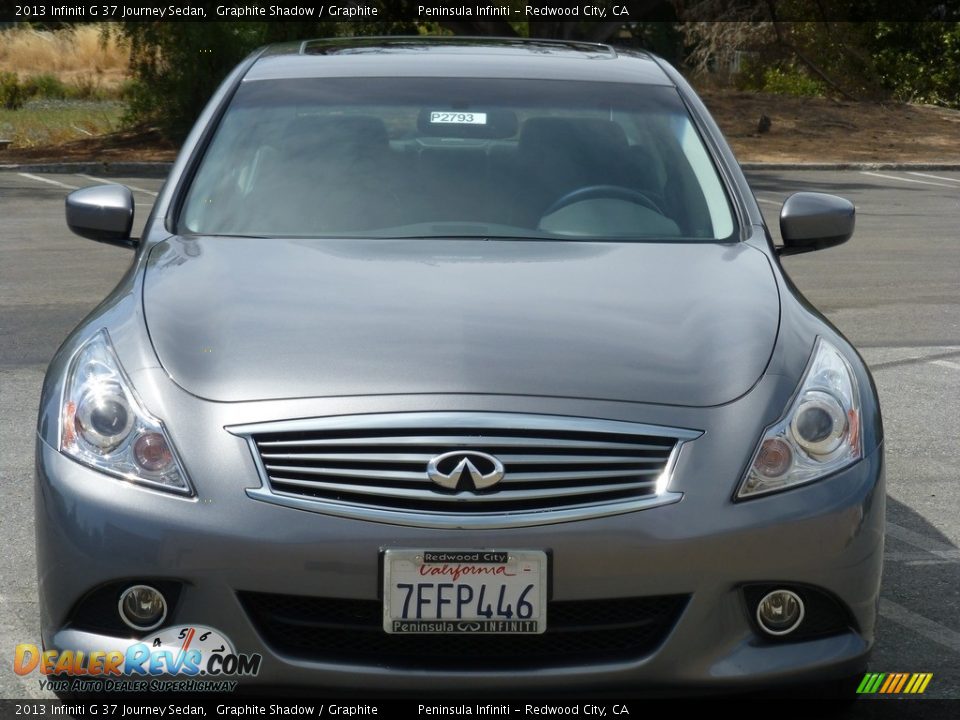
[819, 434]
[105, 426]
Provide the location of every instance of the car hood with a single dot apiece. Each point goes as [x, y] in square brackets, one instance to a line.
[236, 319]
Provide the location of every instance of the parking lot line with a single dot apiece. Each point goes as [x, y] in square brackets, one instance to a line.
[917, 540]
[911, 555]
[926, 627]
[921, 557]
[903, 179]
[49, 181]
[105, 180]
[946, 363]
[940, 357]
[935, 177]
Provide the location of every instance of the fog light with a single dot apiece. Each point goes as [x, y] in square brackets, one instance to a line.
[780, 612]
[142, 607]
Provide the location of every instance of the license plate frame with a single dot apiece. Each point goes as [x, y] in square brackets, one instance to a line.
[520, 569]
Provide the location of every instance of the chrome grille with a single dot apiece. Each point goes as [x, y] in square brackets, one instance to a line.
[552, 465]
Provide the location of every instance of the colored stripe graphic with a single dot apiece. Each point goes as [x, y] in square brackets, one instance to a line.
[894, 683]
[890, 681]
[867, 679]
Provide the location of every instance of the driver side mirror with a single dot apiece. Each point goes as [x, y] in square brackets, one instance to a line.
[103, 213]
[814, 221]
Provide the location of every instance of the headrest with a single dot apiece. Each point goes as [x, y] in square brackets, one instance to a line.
[355, 134]
[547, 134]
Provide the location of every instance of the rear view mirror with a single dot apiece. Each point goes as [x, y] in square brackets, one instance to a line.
[103, 213]
[813, 221]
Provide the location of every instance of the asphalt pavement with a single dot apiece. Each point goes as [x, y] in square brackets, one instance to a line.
[894, 290]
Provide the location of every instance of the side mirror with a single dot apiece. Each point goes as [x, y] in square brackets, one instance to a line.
[813, 221]
[103, 213]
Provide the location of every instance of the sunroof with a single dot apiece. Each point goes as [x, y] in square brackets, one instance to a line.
[475, 45]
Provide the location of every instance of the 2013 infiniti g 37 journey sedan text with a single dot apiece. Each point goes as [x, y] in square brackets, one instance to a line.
[472, 358]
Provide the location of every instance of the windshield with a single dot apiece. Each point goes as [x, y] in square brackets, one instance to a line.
[457, 157]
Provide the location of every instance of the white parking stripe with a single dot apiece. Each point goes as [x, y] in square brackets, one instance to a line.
[903, 179]
[935, 177]
[946, 363]
[917, 557]
[929, 629]
[104, 180]
[917, 540]
[48, 181]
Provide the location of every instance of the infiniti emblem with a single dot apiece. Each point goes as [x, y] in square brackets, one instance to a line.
[446, 470]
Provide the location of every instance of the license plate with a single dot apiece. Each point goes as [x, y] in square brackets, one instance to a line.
[465, 591]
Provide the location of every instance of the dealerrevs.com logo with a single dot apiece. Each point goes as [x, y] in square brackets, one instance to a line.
[198, 657]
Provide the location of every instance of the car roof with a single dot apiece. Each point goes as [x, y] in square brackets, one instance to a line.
[457, 57]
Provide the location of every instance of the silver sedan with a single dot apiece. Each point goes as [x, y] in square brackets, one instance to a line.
[457, 362]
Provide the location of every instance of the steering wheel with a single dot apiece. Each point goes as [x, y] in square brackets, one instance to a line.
[615, 192]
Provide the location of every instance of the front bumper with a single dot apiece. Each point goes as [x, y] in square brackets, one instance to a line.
[92, 530]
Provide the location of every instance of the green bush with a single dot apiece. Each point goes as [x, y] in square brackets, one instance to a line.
[44, 85]
[87, 87]
[791, 80]
[12, 96]
[125, 90]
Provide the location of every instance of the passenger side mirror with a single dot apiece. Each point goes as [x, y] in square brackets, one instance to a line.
[814, 221]
[103, 213]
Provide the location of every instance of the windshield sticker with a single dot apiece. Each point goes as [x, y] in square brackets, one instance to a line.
[458, 118]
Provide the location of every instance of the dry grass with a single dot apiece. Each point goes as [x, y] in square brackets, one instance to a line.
[88, 64]
[73, 55]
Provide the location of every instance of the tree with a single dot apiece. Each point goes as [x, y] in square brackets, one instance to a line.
[176, 66]
[841, 45]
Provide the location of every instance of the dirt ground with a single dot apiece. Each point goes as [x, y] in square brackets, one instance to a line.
[823, 130]
[800, 130]
[144, 145]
